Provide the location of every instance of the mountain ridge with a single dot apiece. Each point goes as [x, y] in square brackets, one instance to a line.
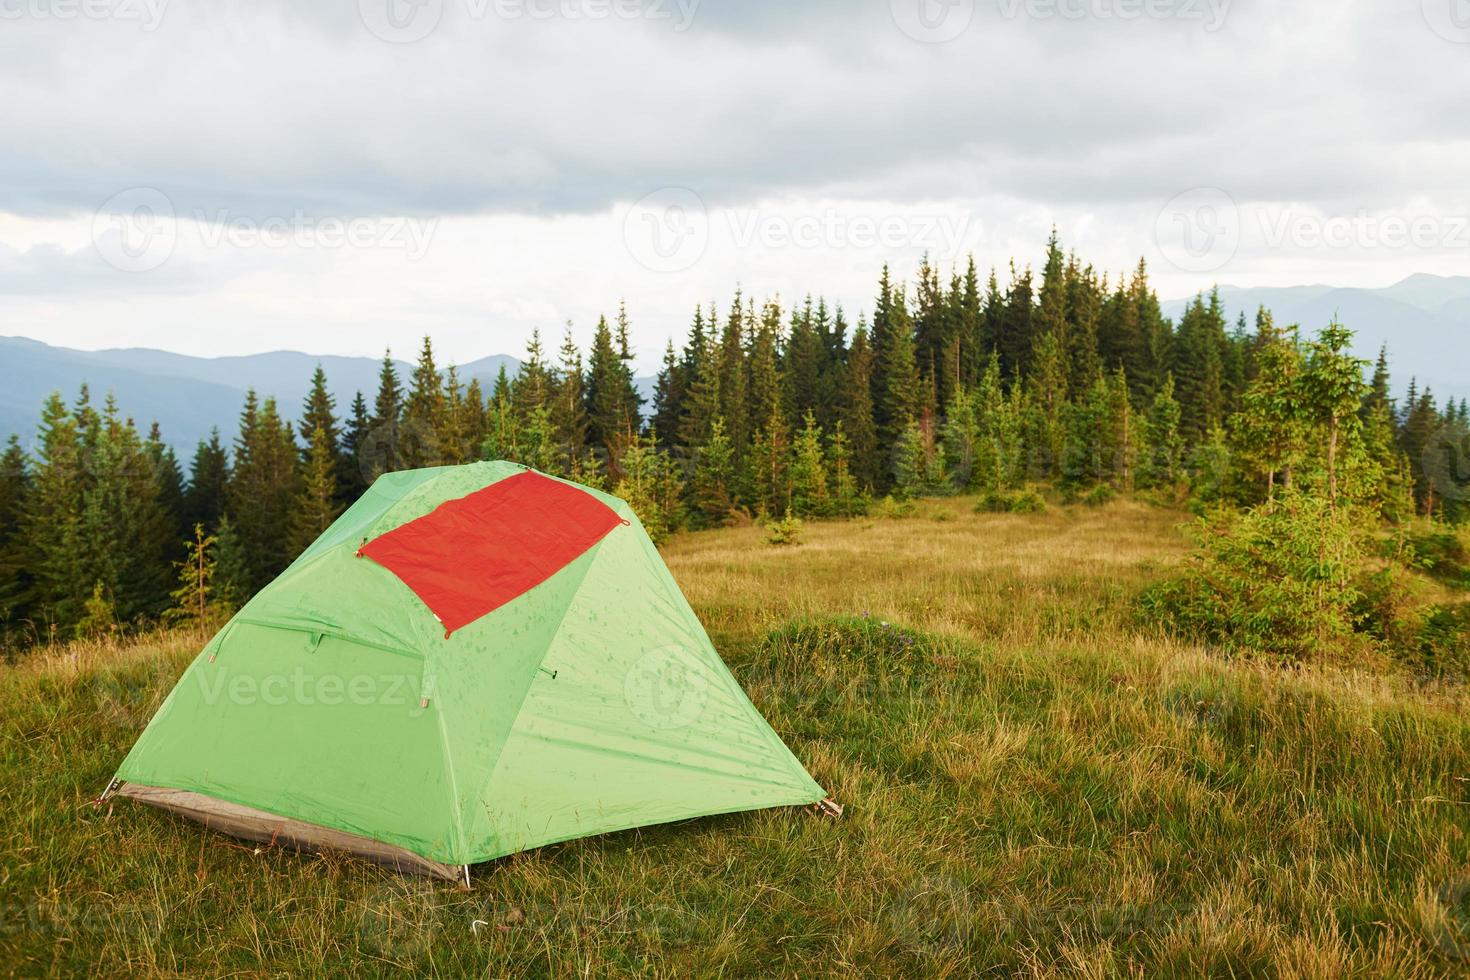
[1423, 319]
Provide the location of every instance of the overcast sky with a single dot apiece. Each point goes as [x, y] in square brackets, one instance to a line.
[338, 176]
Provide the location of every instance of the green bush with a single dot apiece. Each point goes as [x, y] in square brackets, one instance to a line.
[893, 509]
[1284, 579]
[1024, 502]
[785, 531]
[1027, 502]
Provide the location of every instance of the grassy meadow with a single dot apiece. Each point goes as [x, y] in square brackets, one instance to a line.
[1033, 786]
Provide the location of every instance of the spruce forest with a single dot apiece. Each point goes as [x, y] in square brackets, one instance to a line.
[1317, 492]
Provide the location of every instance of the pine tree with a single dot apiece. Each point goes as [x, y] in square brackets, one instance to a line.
[714, 478]
[632, 401]
[702, 401]
[454, 447]
[960, 436]
[50, 526]
[263, 490]
[356, 437]
[612, 420]
[919, 461]
[1084, 463]
[847, 496]
[126, 538]
[999, 453]
[969, 320]
[209, 478]
[474, 419]
[423, 413]
[668, 398]
[169, 479]
[316, 502]
[1046, 390]
[902, 399]
[1269, 432]
[734, 385]
[569, 410]
[1121, 435]
[648, 483]
[881, 338]
[769, 464]
[194, 598]
[1017, 327]
[318, 411]
[1332, 393]
[1198, 370]
[763, 383]
[231, 577]
[809, 497]
[857, 413]
[1084, 310]
[16, 578]
[379, 452]
[802, 365]
[1165, 447]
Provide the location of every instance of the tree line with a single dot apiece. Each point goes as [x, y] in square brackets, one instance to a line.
[950, 384]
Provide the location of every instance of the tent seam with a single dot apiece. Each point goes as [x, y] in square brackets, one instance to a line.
[494, 766]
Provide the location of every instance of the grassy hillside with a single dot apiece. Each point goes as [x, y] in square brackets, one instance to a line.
[1032, 787]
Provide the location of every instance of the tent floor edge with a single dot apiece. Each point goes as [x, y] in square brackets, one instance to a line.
[249, 823]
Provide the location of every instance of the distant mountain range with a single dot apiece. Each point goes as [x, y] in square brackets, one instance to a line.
[187, 396]
[1424, 320]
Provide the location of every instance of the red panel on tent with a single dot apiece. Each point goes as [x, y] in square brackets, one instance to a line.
[473, 554]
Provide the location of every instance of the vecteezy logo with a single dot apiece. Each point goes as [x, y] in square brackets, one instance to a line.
[400, 21]
[1446, 461]
[398, 919]
[1198, 230]
[135, 230]
[668, 230]
[1450, 19]
[666, 688]
[1453, 934]
[932, 21]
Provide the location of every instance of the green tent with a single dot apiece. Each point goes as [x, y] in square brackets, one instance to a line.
[471, 661]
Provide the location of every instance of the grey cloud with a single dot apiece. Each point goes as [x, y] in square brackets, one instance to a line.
[269, 109]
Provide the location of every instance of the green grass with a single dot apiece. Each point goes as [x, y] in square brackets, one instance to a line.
[1032, 786]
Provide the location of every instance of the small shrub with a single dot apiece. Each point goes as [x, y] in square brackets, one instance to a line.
[1027, 502]
[1099, 495]
[1282, 579]
[1024, 502]
[993, 503]
[785, 531]
[894, 509]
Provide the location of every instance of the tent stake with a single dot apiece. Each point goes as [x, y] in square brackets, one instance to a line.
[112, 786]
[828, 808]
